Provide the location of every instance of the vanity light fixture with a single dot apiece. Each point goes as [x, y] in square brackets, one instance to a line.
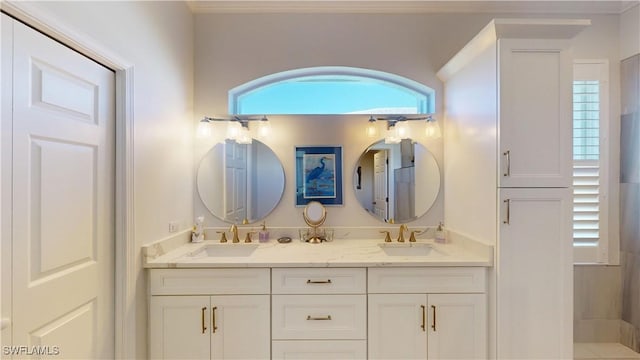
[391, 135]
[433, 129]
[264, 128]
[398, 128]
[372, 128]
[204, 129]
[237, 127]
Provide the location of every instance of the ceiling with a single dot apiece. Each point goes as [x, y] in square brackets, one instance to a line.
[416, 6]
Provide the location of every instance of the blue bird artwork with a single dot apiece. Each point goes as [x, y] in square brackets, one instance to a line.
[320, 177]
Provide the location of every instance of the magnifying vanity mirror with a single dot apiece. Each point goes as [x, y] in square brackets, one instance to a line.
[314, 215]
[240, 183]
[397, 183]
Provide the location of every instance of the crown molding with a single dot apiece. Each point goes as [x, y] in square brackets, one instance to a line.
[409, 7]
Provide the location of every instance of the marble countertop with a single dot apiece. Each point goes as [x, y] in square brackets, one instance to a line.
[337, 253]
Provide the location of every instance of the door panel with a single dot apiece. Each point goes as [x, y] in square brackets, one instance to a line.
[180, 327]
[240, 320]
[535, 113]
[63, 198]
[535, 243]
[395, 326]
[457, 326]
[62, 176]
[380, 194]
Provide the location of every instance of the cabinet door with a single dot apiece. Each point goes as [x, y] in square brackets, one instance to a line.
[240, 327]
[535, 78]
[534, 274]
[397, 326]
[179, 327]
[457, 326]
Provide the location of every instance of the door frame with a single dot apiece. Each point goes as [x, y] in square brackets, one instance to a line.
[125, 251]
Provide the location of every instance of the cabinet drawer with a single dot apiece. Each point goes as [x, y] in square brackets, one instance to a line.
[319, 349]
[319, 317]
[209, 281]
[319, 281]
[427, 280]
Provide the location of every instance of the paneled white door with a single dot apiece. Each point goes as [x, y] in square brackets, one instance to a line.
[235, 201]
[62, 199]
[380, 192]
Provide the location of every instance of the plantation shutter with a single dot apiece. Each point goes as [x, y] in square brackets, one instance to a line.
[589, 189]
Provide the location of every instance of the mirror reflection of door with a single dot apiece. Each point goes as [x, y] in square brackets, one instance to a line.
[235, 182]
[381, 194]
[398, 182]
[240, 182]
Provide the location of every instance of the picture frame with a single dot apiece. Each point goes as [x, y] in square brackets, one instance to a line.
[319, 175]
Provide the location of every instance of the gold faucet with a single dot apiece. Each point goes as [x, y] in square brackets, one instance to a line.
[234, 231]
[403, 228]
[387, 236]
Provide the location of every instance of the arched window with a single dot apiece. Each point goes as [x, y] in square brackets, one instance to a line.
[332, 90]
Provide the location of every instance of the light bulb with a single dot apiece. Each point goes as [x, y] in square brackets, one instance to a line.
[391, 137]
[264, 128]
[433, 129]
[233, 129]
[204, 129]
[402, 130]
[244, 137]
[372, 128]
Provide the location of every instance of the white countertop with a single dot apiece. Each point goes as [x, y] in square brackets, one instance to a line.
[337, 253]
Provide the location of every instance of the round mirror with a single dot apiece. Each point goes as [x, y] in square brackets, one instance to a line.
[240, 183]
[314, 214]
[397, 183]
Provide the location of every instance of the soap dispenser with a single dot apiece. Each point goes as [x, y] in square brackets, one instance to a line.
[263, 235]
[197, 233]
[440, 237]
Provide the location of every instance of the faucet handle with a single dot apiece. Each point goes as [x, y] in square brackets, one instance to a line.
[223, 236]
[247, 238]
[412, 237]
[387, 237]
[403, 228]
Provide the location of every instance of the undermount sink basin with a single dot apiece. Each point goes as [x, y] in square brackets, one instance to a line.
[405, 249]
[224, 250]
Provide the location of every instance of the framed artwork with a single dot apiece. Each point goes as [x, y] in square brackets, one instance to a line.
[319, 175]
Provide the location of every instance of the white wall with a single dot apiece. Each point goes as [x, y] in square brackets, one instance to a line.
[157, 38]
[630, 32]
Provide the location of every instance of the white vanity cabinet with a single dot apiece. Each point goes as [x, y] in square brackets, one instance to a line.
[427, 313]
[319, 313]
[209, 314]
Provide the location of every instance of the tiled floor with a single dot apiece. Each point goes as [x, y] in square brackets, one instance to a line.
[603, 351]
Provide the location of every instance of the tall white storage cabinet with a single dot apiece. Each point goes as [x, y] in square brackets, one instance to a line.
[508, 137]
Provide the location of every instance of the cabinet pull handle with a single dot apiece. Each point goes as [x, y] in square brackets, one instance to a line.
[433, 324]
[508, 155]
[508, 219]
[309, 317]
[213, 319]
[424, 316]
[309, 281]
[204, 327]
